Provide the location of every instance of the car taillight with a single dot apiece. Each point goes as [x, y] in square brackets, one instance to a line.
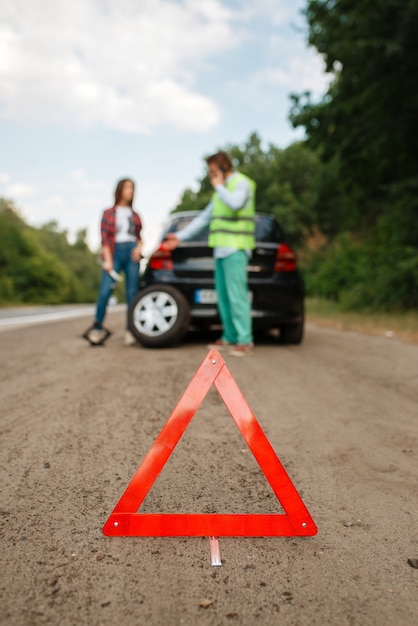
[285, 259]
[161, 259]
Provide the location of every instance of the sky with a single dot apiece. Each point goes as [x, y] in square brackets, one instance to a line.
[92, 91]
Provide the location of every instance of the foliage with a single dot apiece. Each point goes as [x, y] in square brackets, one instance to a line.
[368, 119]
[40, 266]
[363, 274]
[365, 131]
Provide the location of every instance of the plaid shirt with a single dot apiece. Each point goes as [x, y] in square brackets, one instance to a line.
[108, 228]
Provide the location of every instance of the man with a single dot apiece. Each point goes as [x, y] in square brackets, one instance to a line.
[230, 215]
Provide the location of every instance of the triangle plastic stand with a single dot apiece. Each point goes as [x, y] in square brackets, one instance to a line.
[125, 521]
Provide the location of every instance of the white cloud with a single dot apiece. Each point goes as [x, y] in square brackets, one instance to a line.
[19, 190]
[78, 175]
[57, 201]
[302, 70]
[276, 11]
[4, 177]
[123, 64]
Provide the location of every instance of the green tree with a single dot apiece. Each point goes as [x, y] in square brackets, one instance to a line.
[364, 130]
[40, 266]
[84, 272]
[367, 122]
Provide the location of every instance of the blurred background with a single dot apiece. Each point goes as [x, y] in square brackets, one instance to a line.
[314, 99]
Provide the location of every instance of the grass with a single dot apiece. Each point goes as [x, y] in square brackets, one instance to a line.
[403, 325]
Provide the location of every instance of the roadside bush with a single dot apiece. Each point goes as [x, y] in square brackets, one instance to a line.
[40, 266]
[7, 292]
[41, 279]
[334, 269]
[363, 275]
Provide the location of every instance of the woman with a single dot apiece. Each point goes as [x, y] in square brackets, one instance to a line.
[121, 251]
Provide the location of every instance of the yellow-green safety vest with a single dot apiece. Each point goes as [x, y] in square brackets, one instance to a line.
[229, 228]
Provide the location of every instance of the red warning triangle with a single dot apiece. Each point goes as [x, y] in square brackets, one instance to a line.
[126, 521]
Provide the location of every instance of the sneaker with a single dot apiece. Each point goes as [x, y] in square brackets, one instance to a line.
[96, 336]
[129, 338]
[219, 344]
[242, 349]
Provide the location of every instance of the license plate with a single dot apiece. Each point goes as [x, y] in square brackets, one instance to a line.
[205, 296]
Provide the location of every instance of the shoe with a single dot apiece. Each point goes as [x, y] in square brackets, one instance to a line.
[219, 344]
[242, 349]
[96, 336]
[129, 338]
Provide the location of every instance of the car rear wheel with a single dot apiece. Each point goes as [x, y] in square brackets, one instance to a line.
[159, 316]
[292, 333]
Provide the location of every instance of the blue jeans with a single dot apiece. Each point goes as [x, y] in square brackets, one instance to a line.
[231, 284]
[122, 262]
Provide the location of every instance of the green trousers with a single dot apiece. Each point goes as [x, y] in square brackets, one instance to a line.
[231, 284]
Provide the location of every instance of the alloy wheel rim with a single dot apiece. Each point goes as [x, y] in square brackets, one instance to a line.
[155, 314]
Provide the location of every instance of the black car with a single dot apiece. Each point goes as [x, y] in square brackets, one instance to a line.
[176, 291]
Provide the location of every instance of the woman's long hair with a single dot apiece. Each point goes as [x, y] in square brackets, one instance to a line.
[119, 187]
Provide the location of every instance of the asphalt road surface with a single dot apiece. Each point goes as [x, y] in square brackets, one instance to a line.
[341, 412]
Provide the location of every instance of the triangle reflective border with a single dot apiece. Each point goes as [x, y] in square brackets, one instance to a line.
[125, 521]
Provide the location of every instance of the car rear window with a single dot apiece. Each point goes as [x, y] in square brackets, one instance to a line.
[266, 228]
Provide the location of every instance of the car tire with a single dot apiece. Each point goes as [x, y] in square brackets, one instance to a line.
[292, 333]
[159, 316]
